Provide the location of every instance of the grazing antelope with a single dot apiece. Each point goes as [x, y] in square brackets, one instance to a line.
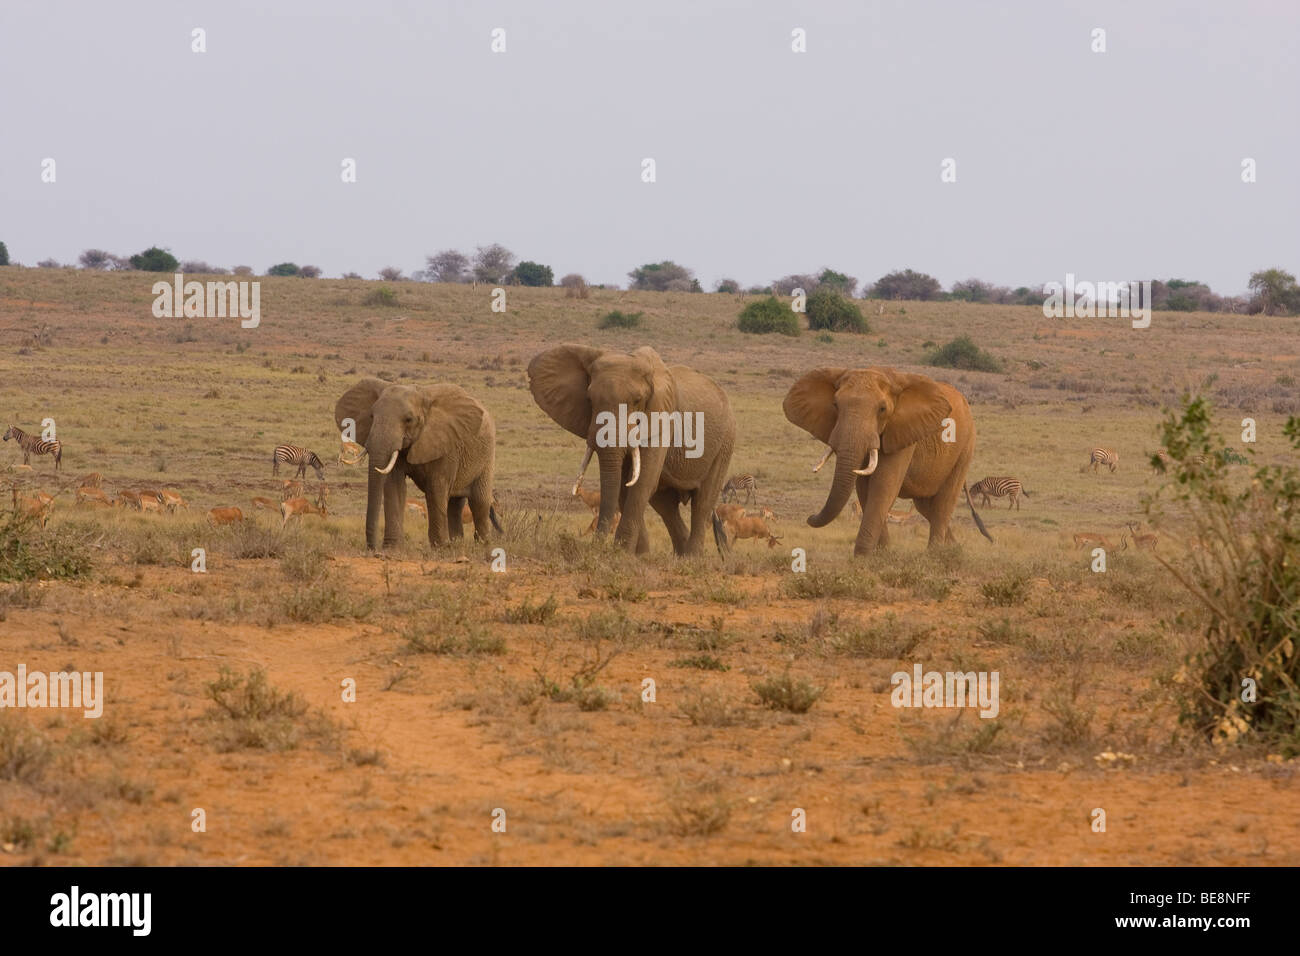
[301, 457]
[749, 527]
[592, 500]
[899, 517]
[418, 507]
[767, 514]
[292, 489]
[92, 480]
[1082, 538]
[1147, 539]
[87, 494]
[150, 502]
[171, 500]
[350, 453]
[151, 492]
[31, 445]
[267, 504]
[218, 516]
[128, 499]
[297, 507]
[738, 483]
[999, 487]
[1103, 456]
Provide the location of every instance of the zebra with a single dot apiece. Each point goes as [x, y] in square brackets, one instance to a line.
[999, 486]
[31, 444]
[293, 455]
[737, 483]
[1103, 456]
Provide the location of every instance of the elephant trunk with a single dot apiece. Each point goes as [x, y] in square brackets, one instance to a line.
[374, 501]
[848, 459]
[611, 477]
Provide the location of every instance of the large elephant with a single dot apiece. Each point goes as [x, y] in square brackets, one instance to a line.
[886, 429]
[440, 437]
[582, 389]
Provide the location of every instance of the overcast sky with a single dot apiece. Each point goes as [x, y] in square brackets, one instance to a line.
[1115, 165]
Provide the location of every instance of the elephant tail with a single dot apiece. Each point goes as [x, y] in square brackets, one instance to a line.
[975, 514]
[719, 534]
[492, 513]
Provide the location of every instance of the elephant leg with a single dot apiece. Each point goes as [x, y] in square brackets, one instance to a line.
[394, 509]
[877, 493]
[437, 491]
[704, 499]
[455, 527]
[480, 504]
[665, 502]
[643, 541]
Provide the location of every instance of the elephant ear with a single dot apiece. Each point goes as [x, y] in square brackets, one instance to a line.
[356, 404]
[452, 417]
[559, 379]
[919, 410]
[663, 395]
[810, 403]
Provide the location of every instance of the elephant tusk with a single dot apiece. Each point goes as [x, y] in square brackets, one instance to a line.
[582, 473]
[391, 462]
[636, 465]
[872, 461]
[818, 466]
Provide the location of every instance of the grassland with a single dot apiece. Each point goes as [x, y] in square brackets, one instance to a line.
[523, 691]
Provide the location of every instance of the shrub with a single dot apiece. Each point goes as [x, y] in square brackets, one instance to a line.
[154, 259]
[620, 320]
[727, 285]
[575, 286]
[27, 551]
[534, 274]
[906, 285]
[381, 296]
[785, 693]
[1246, 573]
[4, 254]
[768, 315]
[963, 353]
[309, 272]
[828, 310]
[283, 269]
[657, 276]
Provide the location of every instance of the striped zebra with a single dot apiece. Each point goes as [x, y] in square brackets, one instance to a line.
[30, 445]
[293, 455]
[738, 483]
[999, 487]
[1103, 456]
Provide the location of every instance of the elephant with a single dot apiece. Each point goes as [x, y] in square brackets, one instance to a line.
[440, 437]
[886, 429]
[583, 390]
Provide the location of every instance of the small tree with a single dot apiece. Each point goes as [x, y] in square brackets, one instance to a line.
[447, 266]
[787, 284]
[4, 254]
[154, 259]
[309, 272]
[726, 285]
[49, 264]
[283, 269]
[906, 285]
[96, 259]
[242, 270]
[352, 275]
[833, 312]
[493, 263]
[657, 276]
[575, 286]
[533, 274]
[1276, 290]
[768, 315]
[845, 285]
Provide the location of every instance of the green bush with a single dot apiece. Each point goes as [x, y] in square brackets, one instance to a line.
[768, 315]
[27, 552]
[534, 274]
[962, 353]
[830, 311]
[4, 254]
[283, 269]
[620, 320]
[154, 259]
[381, 296]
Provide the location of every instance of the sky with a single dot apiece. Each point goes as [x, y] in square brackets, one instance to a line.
[1112, 165]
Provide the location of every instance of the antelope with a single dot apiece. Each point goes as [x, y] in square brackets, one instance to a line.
[350, 453]
[592, 500]
[92, 480]
[729, 512]
[418, 507]
[899, 517]
[218, 516]
[128, 499]
[150, 502]
[267, 504]
[1141, 539]
[171, 499]
[1087, 537]
[38, 508]
[89, 493]
[297, 507]
[750, 527]
[292, 489]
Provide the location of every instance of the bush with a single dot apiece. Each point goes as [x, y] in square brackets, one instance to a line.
[906, 285]
[28, 552]
[4, 254]
[309, 272]
[283, 269]
[727, 285]
[575, 286]
[381, 296]
[657, 276]
[963, 353]
[828, 310]
[534, 274]
[154, 259]
[768, 315]
[1245, 571]
[620, 320]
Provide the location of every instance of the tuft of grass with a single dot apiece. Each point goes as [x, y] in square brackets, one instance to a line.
[1010, 590]
[830, 583]
[25, 754]
[786, 693]
[621, 320]
[963, 353]
[529, 613]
